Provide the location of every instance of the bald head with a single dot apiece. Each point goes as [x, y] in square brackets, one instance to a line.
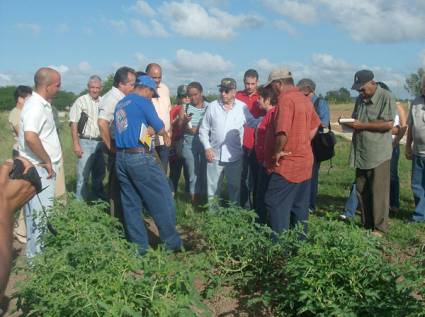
[154, 70]
[45, 76]
[47, 82]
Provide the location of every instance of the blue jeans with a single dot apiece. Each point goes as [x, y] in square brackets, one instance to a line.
[394, 180]
[287, 203]
[90, 163]
[314, 184]
[352, 202]
[418, 187]
[216, 171]
[35, 219]
[143, 182]
[195, 163]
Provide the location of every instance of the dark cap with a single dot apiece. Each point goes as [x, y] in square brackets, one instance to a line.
[361, 78]
[182, 90]
[228, 83]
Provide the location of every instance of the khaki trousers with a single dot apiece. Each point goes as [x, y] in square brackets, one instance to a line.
[373, 192]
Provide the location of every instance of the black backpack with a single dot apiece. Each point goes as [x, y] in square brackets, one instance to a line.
[323, 143]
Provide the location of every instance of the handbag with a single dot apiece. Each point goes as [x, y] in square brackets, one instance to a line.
[323, 143]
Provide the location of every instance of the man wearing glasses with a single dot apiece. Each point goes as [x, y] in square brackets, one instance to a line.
[123, 84]
[371, 150]
[221, 132]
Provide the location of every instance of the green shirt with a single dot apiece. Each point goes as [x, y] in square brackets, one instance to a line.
[370, 149]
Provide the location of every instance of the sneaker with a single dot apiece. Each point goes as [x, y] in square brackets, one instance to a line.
[343, 217]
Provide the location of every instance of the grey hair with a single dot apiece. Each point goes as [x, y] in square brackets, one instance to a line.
[307, 84]
[95, 78]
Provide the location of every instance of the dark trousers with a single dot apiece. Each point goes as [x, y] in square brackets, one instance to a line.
[287, 203]
[394, 180]
[163, 153]
[249, 179]
[373, 191]
[262, 182]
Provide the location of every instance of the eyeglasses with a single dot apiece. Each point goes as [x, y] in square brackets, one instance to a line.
[225, 90]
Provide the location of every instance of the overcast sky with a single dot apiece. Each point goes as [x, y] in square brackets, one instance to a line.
[326, 40]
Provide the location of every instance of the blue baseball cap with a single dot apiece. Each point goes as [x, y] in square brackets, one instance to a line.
[146, 81]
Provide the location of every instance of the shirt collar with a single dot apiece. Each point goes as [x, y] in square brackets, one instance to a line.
[376, 95]
[43, 101]
[220, 102]
[117, 92]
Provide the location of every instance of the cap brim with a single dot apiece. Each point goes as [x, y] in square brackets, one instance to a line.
[356, 86]
[267, 83]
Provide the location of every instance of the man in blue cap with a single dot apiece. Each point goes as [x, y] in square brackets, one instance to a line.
[141, 179]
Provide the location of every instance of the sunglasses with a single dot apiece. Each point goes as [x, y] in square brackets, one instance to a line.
[225, 90]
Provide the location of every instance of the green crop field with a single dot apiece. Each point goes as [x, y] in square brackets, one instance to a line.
[231, 266]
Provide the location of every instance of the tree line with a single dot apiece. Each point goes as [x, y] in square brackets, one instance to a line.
[65, 99]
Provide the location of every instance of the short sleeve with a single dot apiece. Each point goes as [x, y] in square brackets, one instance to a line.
[33, 119]
[315, 120]
[106, 109]
[75, 111]
[389, 109]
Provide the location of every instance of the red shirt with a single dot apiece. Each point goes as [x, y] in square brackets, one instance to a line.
[174, 112]
[294, 116]
[260, 135]
[252, 103]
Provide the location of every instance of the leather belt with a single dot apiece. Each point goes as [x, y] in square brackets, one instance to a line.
[89, 138]
[134, 150]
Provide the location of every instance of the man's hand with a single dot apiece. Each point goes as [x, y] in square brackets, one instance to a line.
[167, 140]
[151, 131]
[209, 154]
[408, 152]
[50, 171]
[14, 194]
[279, 155]
[78, 151]
[356, 125]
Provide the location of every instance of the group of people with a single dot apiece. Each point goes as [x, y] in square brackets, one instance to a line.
[258, 139]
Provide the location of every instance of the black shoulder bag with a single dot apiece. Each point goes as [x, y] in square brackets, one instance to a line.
[323, 143]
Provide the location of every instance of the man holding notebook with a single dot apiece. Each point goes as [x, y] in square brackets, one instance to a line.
[141, 179]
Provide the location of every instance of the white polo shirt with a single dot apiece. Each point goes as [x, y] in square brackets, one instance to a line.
[37, 117]
[107, 107]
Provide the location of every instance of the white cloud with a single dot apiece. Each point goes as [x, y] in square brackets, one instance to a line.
[63, 28]
[297, 10]
[152, 29]
[204, 62]
[192, 20]
[332, 73]
[118, 25]
[187, 66]
[62, 69]
[4, 79]
[143, 8]
[379, 20]
[33, 28]
[84, 67]
[285, 26]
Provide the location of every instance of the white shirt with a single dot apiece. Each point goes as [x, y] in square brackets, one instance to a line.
[107, 107]
[223, 131]
[91, 108]
[37, 117]
[108, 103]
[163, 108]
